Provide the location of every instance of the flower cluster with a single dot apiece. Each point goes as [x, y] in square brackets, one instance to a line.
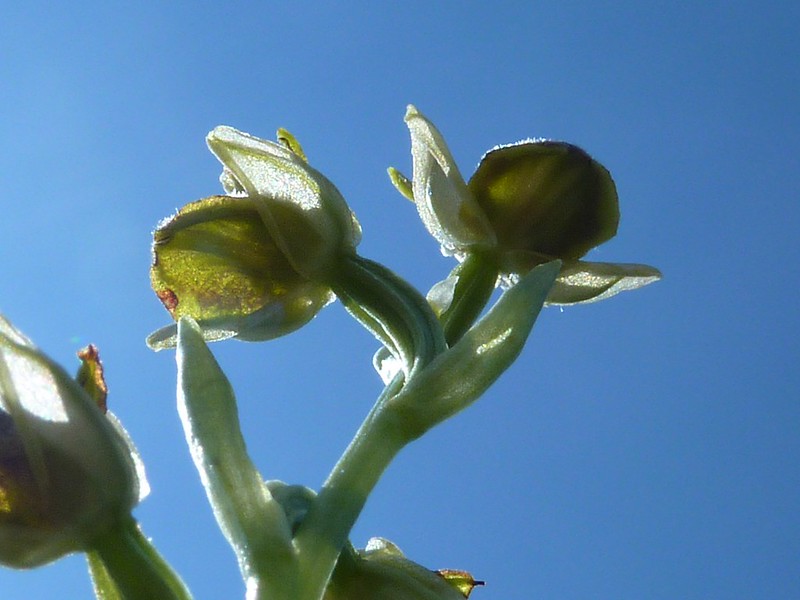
[256, 263]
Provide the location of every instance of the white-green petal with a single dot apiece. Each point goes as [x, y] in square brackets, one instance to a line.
[581, 282]
[291, 189]
[445, 205]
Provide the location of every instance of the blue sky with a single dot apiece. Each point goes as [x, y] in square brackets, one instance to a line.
[643, 447]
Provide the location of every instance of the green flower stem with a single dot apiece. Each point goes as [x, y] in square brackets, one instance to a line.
[134, 567]
[391, 309]
[459, 376]
[477, 276]
[325, 530]
[405, 411]
[251, 519]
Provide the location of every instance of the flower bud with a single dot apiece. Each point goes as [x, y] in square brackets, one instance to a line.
[382, 572]
[217, 262]
[67, 473]
[255, 264]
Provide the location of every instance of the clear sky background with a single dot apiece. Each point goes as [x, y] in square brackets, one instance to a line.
[642, 447]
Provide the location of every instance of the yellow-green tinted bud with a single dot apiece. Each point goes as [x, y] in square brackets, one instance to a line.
[217, 262]
[67, 473]
[549, 198]
[381, 572]
[307, 217]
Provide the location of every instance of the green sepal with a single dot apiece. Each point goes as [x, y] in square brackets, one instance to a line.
[580, 282]
[304, 212]
[447, 208]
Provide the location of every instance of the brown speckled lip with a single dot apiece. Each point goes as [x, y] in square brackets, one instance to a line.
[168, 298]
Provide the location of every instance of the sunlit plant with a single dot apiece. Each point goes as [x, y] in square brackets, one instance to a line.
[259, 262]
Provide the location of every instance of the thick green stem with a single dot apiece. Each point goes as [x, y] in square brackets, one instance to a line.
[134, 566]
[406, 410]
[325, 529]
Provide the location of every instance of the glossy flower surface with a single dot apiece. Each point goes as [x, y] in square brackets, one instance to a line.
[546, 197]
[527, 204]
[66, 470]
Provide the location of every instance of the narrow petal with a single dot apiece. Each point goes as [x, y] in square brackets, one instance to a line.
[445, 205]
[581, 281]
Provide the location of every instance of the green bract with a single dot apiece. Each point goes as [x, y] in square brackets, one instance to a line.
[67, 472]
[527, 204]
[255, 264]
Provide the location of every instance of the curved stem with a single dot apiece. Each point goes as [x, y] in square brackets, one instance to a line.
[324, 531]
[391, 309]
[477, 276]
[134, 567]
